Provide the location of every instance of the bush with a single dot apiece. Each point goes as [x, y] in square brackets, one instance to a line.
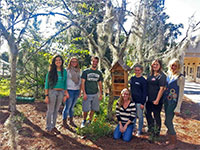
[5, 87]
[98, 128]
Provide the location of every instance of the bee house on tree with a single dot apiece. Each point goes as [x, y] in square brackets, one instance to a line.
[119, 73]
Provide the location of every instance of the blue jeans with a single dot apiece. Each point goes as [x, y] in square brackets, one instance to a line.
[140, 117]
[70, 103]
[127, 135]
[169, 116]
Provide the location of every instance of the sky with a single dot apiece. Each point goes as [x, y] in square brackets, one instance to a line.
[178, 10]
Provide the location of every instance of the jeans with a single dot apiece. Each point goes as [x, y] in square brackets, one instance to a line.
[127, 135]
[55, 100]
[169, 115]
[140, 117]
[70, 103]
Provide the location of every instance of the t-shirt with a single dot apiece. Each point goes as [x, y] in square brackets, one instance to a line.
[138, 89]
[61, 82]
[153, 86]
[92, 77]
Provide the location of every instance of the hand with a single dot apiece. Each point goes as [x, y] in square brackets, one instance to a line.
[100, 97]
[155, 102]
[121, 128]
[142, 106]
[125, 127]
[64, 99]
[46, 100]
[84, 96]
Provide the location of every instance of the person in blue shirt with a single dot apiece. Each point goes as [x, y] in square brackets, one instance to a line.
[138, 86]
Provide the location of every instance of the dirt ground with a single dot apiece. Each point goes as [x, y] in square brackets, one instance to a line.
[32, 135]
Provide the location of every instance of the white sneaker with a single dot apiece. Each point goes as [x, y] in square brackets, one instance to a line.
[83, 123]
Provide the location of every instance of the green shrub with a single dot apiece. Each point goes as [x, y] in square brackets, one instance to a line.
[154, 132]
[98, 128]
[5, 87]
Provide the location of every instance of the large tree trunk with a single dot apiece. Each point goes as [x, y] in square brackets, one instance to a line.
[13, 86]
[12, 98]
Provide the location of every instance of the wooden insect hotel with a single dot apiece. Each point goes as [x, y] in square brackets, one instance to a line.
[119, 73]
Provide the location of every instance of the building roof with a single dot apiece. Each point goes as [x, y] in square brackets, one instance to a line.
[193, 49]
[122, 64]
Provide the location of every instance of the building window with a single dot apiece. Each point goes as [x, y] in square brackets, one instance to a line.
[198, 72]
[191, 70]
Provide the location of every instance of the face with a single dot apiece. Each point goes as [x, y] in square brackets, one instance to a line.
[74, 62]
[174, 68]
[94, 63]
[58, 62]
[126, 95]
[156, 66]
[138, 71]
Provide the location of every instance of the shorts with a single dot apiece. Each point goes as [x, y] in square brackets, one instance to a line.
[91, 103]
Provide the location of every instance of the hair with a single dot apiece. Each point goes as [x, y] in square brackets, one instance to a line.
[69, 65]
[53, 75]
[139, 66]
[95, 57]
[176, 62]
[121, 99]
[160, 69]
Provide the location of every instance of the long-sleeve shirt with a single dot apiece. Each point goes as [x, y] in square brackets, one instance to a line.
[138, 89]
[181, 83]
[124, 115]
[61, 82]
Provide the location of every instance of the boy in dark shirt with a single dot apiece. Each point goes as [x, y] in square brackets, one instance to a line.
[139, 92]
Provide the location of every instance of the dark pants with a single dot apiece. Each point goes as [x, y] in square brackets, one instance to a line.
[169, 115]
[154, 121]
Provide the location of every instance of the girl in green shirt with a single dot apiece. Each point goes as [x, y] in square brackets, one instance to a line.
[55, 92]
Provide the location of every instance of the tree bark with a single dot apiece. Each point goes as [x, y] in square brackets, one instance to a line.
[13, 86]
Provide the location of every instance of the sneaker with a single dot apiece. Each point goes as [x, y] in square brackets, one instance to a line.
[138, 133]
[83, 123]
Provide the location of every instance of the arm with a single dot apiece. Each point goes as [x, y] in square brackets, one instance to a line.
[100, 90]
[83, 89]
[46, 91]
[121, 128]
[181, 83]
[144, 93]
[66, 94]
[160, 93]
[162, 84]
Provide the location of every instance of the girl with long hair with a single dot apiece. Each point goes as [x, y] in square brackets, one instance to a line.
[126, 116]
[55, 92]
[156, 83]
[73, 88]
[173, 98]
